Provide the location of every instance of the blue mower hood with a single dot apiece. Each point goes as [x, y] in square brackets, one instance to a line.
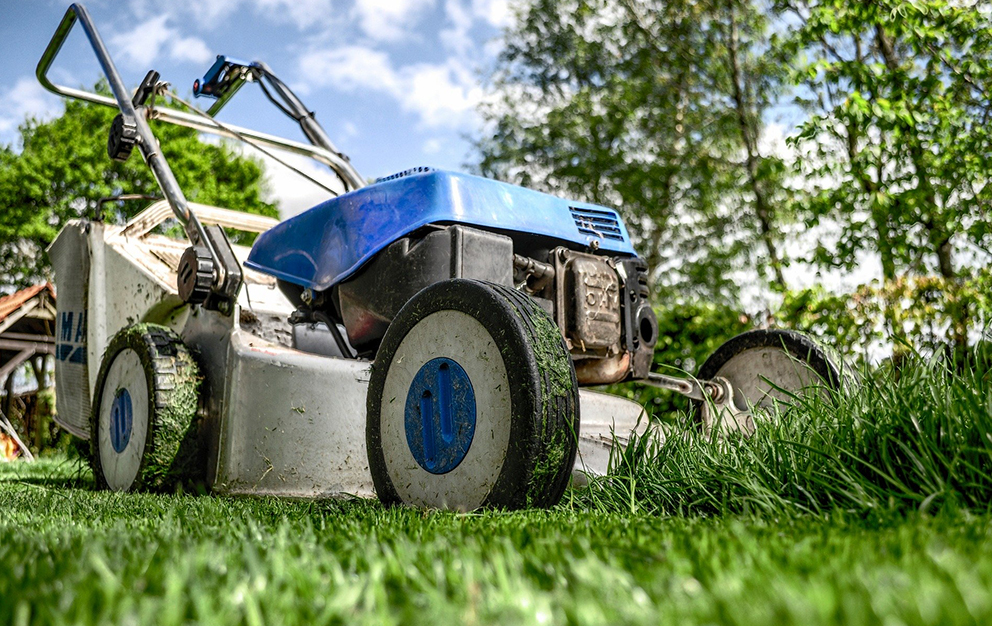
[328, 243]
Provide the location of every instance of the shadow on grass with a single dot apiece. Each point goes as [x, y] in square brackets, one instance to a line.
[50, 472]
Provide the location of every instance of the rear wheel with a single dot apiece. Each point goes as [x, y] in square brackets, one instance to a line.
[144, 414]
[768, 368]
[472, 402]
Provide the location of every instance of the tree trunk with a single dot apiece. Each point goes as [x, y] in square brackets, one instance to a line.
[38, 367]
[937, 231]
[39, 419]
[749, 136]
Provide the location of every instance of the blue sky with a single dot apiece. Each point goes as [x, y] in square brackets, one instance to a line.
[394, 82]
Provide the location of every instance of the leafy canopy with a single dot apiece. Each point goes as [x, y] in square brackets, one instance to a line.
[654, 108]
[897, 150]
[62, 172]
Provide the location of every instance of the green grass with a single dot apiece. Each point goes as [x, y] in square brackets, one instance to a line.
[871, 508]
[917, 442]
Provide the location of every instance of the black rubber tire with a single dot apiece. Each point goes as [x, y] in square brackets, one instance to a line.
[799, 346]
[543, 393]
[172, 451]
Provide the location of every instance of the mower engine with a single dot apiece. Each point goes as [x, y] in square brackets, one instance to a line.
[574, 259]
[356, 260]
[601, 305]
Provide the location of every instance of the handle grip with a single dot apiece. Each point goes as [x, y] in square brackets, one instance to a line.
[145, 138]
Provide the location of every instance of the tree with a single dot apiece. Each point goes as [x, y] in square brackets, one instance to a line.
[655, 108]
[62, 172]
[899, 101]
[658, 108]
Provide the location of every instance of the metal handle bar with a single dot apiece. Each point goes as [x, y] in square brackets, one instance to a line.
[146, 140]
[341, 167]
[180, 118]
[308, 123]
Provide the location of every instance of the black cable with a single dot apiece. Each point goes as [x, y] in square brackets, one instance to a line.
[278, 105]
[290, 97]
[336, 332]
[259, 147]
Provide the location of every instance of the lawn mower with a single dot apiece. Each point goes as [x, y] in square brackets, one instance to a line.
[423, 337]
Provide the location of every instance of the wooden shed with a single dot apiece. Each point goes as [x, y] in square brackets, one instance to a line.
[27, 335]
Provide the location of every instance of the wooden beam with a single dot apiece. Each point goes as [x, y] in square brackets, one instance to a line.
[43, 312]
[28, 337]
[14, 363]
[24, 309]
[33, 346]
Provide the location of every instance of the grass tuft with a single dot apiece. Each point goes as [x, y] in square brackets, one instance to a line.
[920, 441]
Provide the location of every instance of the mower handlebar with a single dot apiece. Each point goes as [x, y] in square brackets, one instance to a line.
[122, 101]
[132, 117]
[329, 157]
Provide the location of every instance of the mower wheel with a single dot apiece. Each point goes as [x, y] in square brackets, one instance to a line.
[143, 422]
[769, 367]
[472, 403]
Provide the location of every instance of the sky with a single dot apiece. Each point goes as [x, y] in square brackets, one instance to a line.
[394, 82]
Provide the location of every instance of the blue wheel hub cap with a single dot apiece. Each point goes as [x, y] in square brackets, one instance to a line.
[440, 415]
[121, 416]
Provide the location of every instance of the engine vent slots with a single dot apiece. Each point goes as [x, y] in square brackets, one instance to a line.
[597, 223]
[423, 169]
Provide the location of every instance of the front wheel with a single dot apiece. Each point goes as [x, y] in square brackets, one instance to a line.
[144, 414]
[473, 402]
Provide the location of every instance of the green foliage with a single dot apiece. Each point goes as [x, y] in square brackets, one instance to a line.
[841, 513]
[72, 556]
[687, 334]
[850, 323]
[647, 106]
[62, 171]
[657, 108]
[923, 307]
[897, 143]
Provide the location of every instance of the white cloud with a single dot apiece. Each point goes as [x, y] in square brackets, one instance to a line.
[432, 146]
[462, 16]
[205, 12]
[390, 20]
[441, 95]
[210, 14]
[349, 68]
[142, 45]
[292, 192]
[495, 12]
[382, 20]
[190, 49]
[26, 98]
[303, 14]
[456, 36]
[211, 10]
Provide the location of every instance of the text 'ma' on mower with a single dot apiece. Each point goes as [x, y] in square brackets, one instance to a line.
[424, 337]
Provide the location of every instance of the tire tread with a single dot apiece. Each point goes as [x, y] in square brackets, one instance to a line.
[168, 458]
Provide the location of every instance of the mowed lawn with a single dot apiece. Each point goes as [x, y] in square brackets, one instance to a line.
[866, 507]
[69, 555]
